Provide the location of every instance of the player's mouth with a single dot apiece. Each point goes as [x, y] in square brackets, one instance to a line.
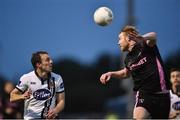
[50, 66]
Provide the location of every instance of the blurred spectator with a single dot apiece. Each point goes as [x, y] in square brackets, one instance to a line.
[9, 109]
[111, 116]
[175, 93]
[1, 108]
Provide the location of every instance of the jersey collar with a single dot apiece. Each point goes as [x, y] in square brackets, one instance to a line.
[42, 79]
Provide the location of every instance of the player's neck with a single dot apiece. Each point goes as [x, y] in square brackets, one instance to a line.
[41, 74]
[174, 89]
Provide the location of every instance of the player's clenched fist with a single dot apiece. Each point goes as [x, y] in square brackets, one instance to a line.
[105, 77]
[27, 94]
[51, 114]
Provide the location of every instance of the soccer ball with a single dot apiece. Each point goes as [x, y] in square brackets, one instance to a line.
[103, 16]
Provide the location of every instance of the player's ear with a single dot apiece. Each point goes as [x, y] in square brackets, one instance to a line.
[38, 65]
[128, 38]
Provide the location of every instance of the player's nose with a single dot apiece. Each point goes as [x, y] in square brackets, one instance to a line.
[51, 62]
[119, 42]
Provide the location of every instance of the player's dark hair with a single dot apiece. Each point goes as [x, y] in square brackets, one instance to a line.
[174, 69]
[36, 58]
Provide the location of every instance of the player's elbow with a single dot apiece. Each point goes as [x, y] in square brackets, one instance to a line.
[126, 75]
[153, 34]
[11, 97]
[153, 37]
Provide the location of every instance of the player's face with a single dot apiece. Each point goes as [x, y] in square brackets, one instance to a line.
[123, 42]
[175, 77]
[46, 63]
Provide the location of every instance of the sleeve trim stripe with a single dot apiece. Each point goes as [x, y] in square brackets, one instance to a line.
[60, 91]
[19, 89]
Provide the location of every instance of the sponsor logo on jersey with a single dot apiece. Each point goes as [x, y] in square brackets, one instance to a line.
[140, 62]
[176, 105]
[42, 94]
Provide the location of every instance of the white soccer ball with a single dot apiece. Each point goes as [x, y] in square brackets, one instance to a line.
[103, 16]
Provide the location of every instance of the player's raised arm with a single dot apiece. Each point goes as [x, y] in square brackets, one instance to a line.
[116, 74]
[150, 38]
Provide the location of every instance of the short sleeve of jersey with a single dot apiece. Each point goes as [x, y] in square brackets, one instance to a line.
[60, 85]
[23, 84]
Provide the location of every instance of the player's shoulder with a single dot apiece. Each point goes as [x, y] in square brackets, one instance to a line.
[28, 75]
[56, 76]
[173, 95]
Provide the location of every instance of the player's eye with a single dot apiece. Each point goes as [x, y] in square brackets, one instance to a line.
[178, 76]
[47, 59]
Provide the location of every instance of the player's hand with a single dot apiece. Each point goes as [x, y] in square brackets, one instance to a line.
[105, 77]
[27, 94]
[51, 114]
[174, 114]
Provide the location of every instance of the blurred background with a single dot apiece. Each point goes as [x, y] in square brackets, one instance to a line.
[81, 50]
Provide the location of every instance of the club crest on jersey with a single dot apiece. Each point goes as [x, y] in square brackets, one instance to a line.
[62, 85]
[42, 94]
[176, 105]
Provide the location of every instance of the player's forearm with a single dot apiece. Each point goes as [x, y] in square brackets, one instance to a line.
[119, 74]
[172, 115]
[150, 36]
[60, 106]
[16, 97]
